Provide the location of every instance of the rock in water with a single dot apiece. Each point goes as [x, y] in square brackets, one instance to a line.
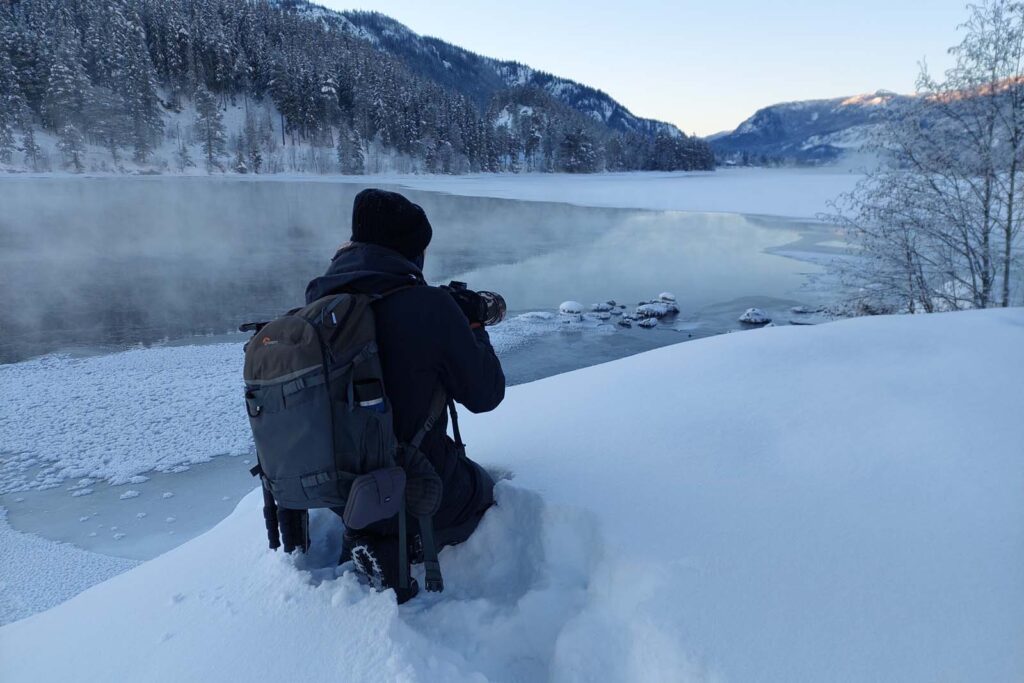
[755, 316]
[648, 322]
[626, 322]
[571, 308]
[667, 297]
[600, 308]
[656, 310]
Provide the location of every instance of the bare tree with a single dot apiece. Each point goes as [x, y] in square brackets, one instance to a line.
[937, 224]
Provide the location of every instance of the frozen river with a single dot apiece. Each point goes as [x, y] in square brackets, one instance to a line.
[91, 265]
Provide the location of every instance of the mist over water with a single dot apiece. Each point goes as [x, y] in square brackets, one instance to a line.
[98, 263]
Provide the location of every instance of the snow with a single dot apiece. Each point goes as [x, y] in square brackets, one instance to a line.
[570, 308]
[115, 417]
[755, 316]
[800, 193]
[838, 502]
[789, 192]
[24, 557]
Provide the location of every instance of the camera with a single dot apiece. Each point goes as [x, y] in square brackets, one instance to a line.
[491, 304]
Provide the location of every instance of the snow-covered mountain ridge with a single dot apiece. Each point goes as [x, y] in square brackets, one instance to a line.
[480, 78]
[810, 131]
[151, 85]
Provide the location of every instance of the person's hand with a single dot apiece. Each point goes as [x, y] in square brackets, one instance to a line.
[471, 304]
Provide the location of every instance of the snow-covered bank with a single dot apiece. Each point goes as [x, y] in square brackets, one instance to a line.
[802, 193]
[840, 502]
[789, 192]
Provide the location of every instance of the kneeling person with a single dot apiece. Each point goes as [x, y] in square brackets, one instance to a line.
[427, 338]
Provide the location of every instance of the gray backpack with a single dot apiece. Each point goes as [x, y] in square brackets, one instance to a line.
[322, 424]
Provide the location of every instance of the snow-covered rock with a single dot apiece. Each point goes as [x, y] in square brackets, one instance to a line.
[667, 297]
[601, 307]
[755, 316]
[570, 308]
[648, 322]
[626, 322]
[658, 309]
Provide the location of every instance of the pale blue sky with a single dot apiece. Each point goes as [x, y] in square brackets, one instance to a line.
[704, 66]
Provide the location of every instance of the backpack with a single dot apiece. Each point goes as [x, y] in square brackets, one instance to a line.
[322, 425]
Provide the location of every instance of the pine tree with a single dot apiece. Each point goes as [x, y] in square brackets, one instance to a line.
[577, 152]
[68, 85]
[72, 146]
[183, 157]
[252, 143]
[108, 122]
[141, 97]
[12, 102]
[210, 128]
[350, 152]
[31, 150]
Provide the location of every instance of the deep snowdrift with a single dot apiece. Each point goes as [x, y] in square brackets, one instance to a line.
[840, 502]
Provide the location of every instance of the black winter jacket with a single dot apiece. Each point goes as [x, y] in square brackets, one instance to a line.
[424, 339]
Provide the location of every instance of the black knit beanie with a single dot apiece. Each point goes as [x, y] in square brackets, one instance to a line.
[390, 220]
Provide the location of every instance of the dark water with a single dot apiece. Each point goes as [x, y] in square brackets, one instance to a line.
[91, 264]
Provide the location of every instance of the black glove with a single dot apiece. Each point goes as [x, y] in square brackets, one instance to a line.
[470, 302]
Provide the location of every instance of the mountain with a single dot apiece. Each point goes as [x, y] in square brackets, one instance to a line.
[286, 85]
[481, 78]
[808, 132]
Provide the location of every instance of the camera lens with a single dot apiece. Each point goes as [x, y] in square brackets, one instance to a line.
[494, 308]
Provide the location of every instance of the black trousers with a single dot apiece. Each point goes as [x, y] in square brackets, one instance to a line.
[463, 524]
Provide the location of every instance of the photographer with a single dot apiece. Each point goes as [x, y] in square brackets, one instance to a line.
[427, 336]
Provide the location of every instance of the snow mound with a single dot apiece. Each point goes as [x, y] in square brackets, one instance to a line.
[755, 316]
[667, 297]
[856, 521]
[648, 322]
[570, 308]
[525, 597]
[658, 309]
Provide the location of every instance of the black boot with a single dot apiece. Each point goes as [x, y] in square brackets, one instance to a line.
[376, 558]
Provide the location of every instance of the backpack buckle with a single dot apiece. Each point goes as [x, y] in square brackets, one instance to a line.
[251, 406]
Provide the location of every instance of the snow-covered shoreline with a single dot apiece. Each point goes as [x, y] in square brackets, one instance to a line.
[798, 193]
[838, 502]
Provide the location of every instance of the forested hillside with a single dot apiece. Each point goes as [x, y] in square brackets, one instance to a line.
[259, 86]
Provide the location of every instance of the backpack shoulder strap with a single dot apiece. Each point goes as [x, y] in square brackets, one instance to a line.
[434, 580]
[437, 406]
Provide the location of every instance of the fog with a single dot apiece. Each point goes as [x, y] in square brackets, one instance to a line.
[94, 263]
